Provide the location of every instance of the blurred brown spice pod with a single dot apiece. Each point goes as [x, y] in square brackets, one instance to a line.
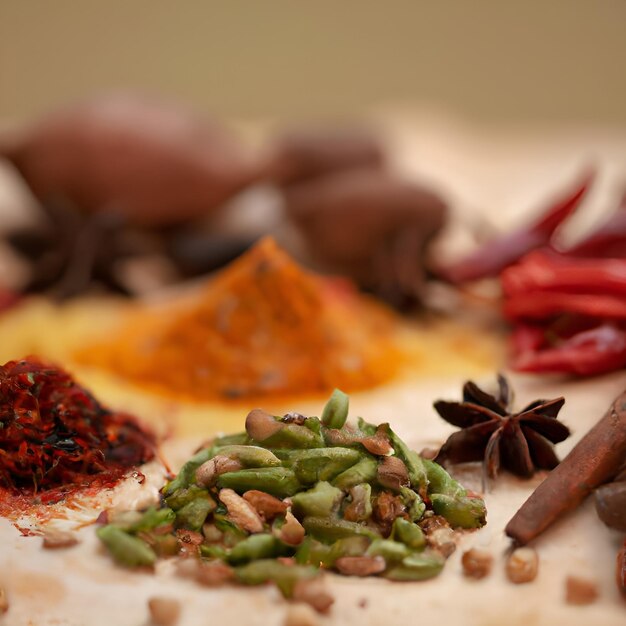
[154, 162]
[309, 152]
[611, 504]
[369, 225]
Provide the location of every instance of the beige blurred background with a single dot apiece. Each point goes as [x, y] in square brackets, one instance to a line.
[494, 61]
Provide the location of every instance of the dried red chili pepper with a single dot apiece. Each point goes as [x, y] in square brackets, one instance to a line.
[591, 352]
[55, 434]
[571, 311]
[495, 255]
[547, 272]
[548, 305]
[608, 241]
[526, 338]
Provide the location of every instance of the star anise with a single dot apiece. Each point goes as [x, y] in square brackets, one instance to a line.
[519, 442]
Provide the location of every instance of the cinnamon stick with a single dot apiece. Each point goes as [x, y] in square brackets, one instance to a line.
[596, 459]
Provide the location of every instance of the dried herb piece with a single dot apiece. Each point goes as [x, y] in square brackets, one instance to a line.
[519, 442]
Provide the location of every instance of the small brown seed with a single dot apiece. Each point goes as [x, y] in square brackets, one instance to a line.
[4, 601]
[580, 591]
[299, 614]
[522, 565]
[313, 591]
[360, 509]
[360, 565]
[260, 425]
[268, 507]
[164, 611]
[293, 418]
[213, 574]
[291, 532]
[476, 563]
[212, 533]
[443, 540]
[54, 539]
[387, 507]
[189, 542]
[241, 512]
[392, 473]
[430, 523]
[378, 443]
[207, 473]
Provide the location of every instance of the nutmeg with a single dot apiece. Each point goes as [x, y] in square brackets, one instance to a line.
[152, 161]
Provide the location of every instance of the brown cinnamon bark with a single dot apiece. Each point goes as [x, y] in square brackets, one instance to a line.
[596, 459]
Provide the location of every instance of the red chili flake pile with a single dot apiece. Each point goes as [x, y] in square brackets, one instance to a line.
[56, 438]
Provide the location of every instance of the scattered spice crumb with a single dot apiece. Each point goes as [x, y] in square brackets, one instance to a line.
[360, 565]
[476, 563]
[213, 574]
[54, 539]
[300, 615]
[164, 611]
[314, 593]
[363, 603]
[580, 591]
[522, 565]
[442, 540]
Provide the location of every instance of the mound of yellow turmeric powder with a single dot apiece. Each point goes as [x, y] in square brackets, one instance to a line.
[261, 326]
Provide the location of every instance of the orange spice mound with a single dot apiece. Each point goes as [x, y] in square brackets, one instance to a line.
[261, 326]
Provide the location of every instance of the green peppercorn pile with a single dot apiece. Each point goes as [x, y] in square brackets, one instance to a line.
[295, 495]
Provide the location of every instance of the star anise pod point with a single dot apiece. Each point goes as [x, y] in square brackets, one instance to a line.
[521, 442]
